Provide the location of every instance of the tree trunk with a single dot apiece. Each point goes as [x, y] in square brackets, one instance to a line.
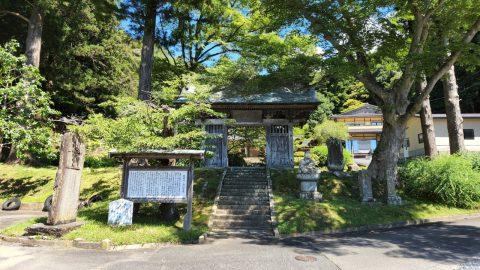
[454, 114]
[34, 37]
[12, 155]
[383, 167]
[428, 129]
[145, 83]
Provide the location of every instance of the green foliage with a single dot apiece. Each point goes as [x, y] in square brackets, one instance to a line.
[474, 157]
[323, 111]
[320, 154]
[330, 130]
[87, 60]
[285, 181]
[451, 180]
[25, 108]
[137, 126]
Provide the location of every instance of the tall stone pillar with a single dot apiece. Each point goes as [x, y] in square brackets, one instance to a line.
[67, 181]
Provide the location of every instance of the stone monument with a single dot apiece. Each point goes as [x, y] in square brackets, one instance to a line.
[308, 175]
[365, 184]
[62, 216]
[335, 160]
[66, 190]
[120, 213]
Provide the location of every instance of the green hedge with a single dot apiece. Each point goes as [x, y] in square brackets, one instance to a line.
[451, 180]
[320, 155]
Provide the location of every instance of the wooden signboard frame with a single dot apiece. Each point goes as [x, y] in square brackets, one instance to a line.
[161, 154]
[125, 183]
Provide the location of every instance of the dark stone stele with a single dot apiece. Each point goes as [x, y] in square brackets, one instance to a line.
[53, 230]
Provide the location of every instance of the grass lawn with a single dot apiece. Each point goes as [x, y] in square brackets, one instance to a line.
[341, 208]
[36, 184]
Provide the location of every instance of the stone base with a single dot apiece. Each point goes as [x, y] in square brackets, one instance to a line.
[394, 200]
[316, 196]
[54, 230]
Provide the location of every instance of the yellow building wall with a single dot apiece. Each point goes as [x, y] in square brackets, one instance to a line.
[441, 135]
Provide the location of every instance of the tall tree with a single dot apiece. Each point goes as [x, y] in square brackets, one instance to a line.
[428, 128]
[364, 34]
[454, 114]
[33, 43]
[146, 62]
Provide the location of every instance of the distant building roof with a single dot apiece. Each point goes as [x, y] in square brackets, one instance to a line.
[277, 96]
[367, 110]
[282, 95]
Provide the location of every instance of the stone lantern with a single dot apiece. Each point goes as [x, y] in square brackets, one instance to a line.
[308, 175]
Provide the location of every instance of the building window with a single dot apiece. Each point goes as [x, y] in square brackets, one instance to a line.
[420, 137]
[468, 134]
[279, 129]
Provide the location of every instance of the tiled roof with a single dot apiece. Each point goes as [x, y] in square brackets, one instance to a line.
[282, 95]
[365, 110]
[278, 96]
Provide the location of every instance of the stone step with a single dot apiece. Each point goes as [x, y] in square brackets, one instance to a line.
[259, 218]
[246, 180]
[257, 207]
[244, 202]
[244, 186]
[235, 197]
[251, 224]
[241, 233]
[221, 212]
[253, 193]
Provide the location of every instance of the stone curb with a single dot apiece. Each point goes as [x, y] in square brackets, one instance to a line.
[80, 243]
[273, 213]
[393, 225]
[215, 201]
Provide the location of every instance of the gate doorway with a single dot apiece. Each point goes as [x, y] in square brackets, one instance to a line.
[246, 146]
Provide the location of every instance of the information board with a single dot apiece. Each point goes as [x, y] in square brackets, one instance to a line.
[163, 185]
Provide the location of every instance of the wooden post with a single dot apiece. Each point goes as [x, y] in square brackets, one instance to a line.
[187, 222]
[67, 181]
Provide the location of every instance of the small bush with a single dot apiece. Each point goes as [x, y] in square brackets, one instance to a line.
[450, 180]
[474, 158]
[285, 181]
[100, 162]
[320, 154]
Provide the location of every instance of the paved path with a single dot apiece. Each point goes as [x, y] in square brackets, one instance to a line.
[8, 218]
[443, 246]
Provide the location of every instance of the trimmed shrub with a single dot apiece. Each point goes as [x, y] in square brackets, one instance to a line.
[474, 157]
[320, 154]
[450, 180]
[285, 181]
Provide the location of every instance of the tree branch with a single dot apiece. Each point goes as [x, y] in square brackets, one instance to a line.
[16, 14]
[449, 62]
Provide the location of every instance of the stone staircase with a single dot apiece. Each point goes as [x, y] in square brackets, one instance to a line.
[243, 206]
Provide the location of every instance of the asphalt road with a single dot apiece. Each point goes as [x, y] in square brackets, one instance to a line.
[8, 218]
[453, 245]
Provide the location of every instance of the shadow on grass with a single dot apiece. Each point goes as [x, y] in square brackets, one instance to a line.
[20, 187]
[102, 187]
[148, 217]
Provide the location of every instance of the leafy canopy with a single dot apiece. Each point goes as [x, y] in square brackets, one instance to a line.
[25, 108]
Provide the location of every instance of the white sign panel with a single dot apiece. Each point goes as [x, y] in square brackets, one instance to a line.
[157, 184]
